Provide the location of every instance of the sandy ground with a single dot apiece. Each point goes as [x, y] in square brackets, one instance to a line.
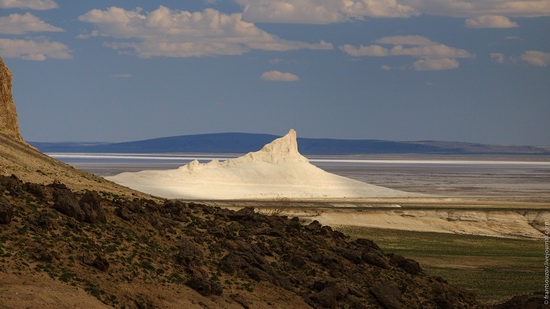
[38, 291]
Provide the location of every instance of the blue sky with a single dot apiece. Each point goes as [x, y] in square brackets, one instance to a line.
[456, 70]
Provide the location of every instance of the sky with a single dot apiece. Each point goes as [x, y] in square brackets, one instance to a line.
[402, 70]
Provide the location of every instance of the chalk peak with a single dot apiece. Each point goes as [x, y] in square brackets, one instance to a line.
[281, 150]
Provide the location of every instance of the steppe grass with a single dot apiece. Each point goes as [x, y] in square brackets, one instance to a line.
[495, 269]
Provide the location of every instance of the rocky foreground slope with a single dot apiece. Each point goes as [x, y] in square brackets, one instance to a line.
[143, 254]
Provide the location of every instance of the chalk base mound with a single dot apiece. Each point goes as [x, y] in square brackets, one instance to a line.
[278, 170]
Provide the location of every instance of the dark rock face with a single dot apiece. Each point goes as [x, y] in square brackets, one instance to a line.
[6, 212]
[331, 293]
[90, 204]
[87, 209]
[410, 266]
[534, 301]
[388, 296]
[203, 283]
[98, 262]
[189, 252]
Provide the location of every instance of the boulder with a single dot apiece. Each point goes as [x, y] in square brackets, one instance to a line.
[6, 211]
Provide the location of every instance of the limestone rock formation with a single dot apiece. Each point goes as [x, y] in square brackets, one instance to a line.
[280, 151]
[8, 114]
[277, 170]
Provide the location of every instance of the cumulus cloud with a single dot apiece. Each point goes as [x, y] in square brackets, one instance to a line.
[435, 50]
[471, 8]
[279, 76]
[364, 51]
[28, 4]
[490, 21]
[435, 64]
[334, 11]
[164, 32]
[405, 40]
[37, 50]
[433, 55]
[21, 24]
[321, 11]
[498, 58]
[537, 58]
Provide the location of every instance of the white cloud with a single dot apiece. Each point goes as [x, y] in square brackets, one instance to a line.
[490, 21]
[279, 76]
[321, 11]
[28, 4]
[164, 32]
[498, 58]
[471, 8]
[435, 64]
[430, 51]
[37, 50]
[433, 55]
[364, 51]
[537, 58]
[21, 24]
[334, 11]
[405, 40]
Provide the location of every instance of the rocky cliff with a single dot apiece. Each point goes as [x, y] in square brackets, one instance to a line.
[8, 114]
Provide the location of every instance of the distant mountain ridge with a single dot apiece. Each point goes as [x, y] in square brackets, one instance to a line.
[247, 142]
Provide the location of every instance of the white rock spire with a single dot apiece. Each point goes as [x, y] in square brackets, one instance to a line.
[277, 170]
[280, 151]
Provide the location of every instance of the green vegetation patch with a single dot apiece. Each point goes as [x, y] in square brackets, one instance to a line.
[496, 269]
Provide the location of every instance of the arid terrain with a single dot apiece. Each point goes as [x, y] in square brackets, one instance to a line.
[69, 239]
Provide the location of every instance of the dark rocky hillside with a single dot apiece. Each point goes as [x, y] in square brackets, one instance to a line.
[101, 243]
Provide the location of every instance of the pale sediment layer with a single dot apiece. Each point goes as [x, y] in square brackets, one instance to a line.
[496, 223]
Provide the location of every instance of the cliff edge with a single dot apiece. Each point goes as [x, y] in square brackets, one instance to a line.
[8, 114]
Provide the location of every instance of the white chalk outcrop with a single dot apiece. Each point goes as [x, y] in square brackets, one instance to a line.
[278, 170]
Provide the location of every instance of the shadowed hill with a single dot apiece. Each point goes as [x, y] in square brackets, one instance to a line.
[247, 142]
